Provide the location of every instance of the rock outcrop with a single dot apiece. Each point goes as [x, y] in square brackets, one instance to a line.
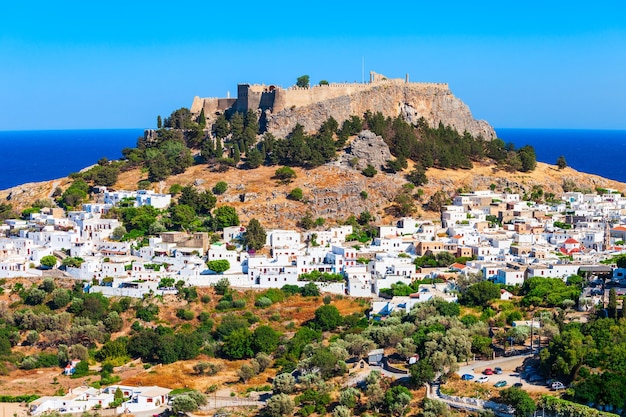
[434, 102]
[368, 149]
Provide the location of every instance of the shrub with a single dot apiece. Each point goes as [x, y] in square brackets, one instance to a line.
[184, 314]
[369, 171]
[220, 188]
[295, 194]
[285, 175]
[263, 302]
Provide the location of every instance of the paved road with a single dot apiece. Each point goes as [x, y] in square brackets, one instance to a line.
[361, 373]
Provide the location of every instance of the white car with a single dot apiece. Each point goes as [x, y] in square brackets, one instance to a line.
[558, 385]
[482, 379]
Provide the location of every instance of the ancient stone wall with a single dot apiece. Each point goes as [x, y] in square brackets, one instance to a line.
[310, 107]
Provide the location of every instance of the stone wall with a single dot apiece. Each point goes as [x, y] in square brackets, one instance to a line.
[284, 108]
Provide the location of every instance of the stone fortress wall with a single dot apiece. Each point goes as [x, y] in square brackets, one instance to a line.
[282, 108]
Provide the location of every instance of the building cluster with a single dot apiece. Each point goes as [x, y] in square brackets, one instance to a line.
[502, 237]
[81, 399]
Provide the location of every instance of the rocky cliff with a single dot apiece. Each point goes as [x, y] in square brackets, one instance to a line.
[434, 102]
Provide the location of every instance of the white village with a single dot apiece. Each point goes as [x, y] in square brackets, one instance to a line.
[504, 238]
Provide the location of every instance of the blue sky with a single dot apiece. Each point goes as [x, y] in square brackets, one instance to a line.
[114, 64]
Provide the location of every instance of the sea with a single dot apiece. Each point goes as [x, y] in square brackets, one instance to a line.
[41, 155]
[591, 151]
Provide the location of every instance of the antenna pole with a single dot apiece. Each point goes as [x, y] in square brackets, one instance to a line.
[362, 69]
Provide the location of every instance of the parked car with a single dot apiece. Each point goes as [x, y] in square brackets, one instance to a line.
[497, 370]
[467, 377]
[500, 384]
[482, 379]
[518, 385]
[558, 385]
[488, 371]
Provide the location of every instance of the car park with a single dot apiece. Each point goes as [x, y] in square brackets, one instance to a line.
[467, 377]
[497, 371]
[488, 371]
[500, 384]
[482, 379]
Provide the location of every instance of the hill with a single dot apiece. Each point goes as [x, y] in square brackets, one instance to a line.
[333, 191]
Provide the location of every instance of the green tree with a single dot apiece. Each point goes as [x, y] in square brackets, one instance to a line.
[528, 158]
[184, 403]
[218, 265]
[221, 128]
[520, 400]
[369, 171]
[303, 81]
[279, 405]
[417, 176]
[422, 372]
[328, 317]
[48, 261]
[159, 122]
[612, 307]
[237, 126]
[561, 162]
[222, 286]
[254, 236]
[480, 294]
[225, 216]
[220, 188]
[295, 194]
[202, 119]
[310, 289]
[323, 82]
[254, 158]
[285, 175]
[238, 344]
[264, 339]
[182, 216]
[397, 400]
[60, 298]
[284, 383]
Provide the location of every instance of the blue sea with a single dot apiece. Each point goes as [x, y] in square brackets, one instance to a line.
[592, 151]
[30, 156]
[41, 155]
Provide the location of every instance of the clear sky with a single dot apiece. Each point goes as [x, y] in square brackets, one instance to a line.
[119, 64]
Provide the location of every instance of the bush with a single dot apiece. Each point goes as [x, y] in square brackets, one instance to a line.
[185, 314]
[295, 194]
[285, 175]
[220, 188]
[263, 302]
[369, 171]
[224, 305]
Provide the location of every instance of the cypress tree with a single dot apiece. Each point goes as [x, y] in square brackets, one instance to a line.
[612, 307]
[202, 119]
[236, 154]
[159, 122]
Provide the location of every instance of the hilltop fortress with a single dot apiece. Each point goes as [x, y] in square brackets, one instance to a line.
[281, 109]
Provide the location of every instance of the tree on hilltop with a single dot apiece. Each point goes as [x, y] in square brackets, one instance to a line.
[561, 162]
[303, 81]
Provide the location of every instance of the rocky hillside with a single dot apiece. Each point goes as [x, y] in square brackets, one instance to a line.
[434, 102]
[334, 191]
